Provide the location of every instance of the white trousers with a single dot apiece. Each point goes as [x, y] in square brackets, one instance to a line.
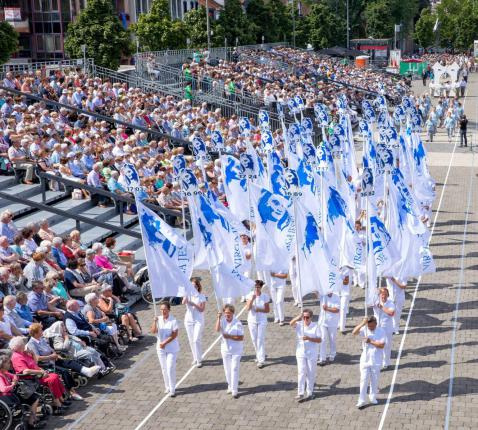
[231, 364]
[387, 350]
[306, 375]
[398, 314]
[344, 310]
[277, 296]
[368, 378]
[329, 339]
[258, 336]
[167, 360]
[194, 329]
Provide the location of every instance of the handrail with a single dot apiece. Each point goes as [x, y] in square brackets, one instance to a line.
[173, 140]
[78, 217]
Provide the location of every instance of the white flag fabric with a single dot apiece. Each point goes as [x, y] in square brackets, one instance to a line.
[168, 256]
[229, 282]
[235, 186]
[275, 230]
[318, 269]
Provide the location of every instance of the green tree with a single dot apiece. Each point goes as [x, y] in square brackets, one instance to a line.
[98, 27]
[379, 21]
[156, 31]
[8, 41]
[322, 28]
[232, 24]
[424, 33]
[280, 27]
[458, 23]
[259, 15]
[195, 22]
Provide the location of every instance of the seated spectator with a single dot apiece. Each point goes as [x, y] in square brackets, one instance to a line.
[7, 328]
[115, 187]
[76, 323]
[8, 383]
[76, 243]
[94, 180]
[41, 309]
[7, 227]
[36, 269]
[22, 306]
[45, 232]
[114, 309]
[74, 282]
[57, 252]
[17, 279]
[66, 248]
[50, 263]
[6, 287]
[47, 356]
[29, 245]
[73, 347]
[11, 312]
[18, 156]
[23, 362]
[98, 319]
[17, 246]
[114, 258]
[53, 281]
[7, 256]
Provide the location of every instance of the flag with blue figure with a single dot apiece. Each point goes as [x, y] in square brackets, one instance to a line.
[179, 163]
[198, 147]
[408, 232]
[318, 268]
[276, 173]
[424, 185]
[235, 186]
[267, 141]
[168, 255]
[258, 169]
[264, 120]
[220, 233]
[275, 229]
[217, 140]
[132, 181]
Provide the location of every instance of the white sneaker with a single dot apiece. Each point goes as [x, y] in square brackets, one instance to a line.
[89, 372]
[228, 391]
[122, 348]
[360, 404]
[373, 400]
[76, 396]
[166, 391]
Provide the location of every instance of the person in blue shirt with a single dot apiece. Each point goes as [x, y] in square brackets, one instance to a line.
[57, 253]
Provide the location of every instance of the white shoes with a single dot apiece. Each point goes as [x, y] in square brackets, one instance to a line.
[373, 400]
[361, 404]
[89, 372]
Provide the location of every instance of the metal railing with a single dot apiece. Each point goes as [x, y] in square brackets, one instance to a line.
[45, 66]
[120, 201]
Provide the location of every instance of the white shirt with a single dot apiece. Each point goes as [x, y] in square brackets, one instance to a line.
[234, 328]
[277, 282]
[165, 329]
[306, 348]
[371, 355]
[259, 302]
[331, 319]
[384, 320]
[247, 264]
[192, 314]
[397, 293]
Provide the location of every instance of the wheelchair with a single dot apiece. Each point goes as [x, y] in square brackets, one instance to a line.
[12, 415]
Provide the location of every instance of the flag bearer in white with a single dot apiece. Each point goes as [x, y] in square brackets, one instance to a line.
[384, 311]
[306, 353]
[277, 287]
[344, 294]
[374, 340]
[397, 286]
[166, 329]
[231, 346]
[330, 322]
[194, 321]
[258, 307]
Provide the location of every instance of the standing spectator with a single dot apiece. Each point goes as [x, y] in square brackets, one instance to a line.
[463, 127]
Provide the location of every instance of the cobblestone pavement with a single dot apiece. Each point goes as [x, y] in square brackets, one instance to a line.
[438, 334]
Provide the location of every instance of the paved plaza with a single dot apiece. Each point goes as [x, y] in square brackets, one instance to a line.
[432, 385]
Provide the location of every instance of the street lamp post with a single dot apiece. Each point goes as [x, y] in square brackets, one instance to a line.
[208, 28]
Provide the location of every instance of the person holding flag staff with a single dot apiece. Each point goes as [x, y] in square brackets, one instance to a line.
[232, 342]
[373, 342]
[194, 320]
[398, 287]
[384, 311]
[165, 327]
[330, 322]
[258, 307]
[277, 286]
[307, 352]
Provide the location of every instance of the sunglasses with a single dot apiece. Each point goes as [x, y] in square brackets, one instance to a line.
[306, 317]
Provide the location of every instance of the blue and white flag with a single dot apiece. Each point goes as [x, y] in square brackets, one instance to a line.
[321, 114]
[179, 163]
[245, 126]
[384, 250]
[319, 270]
[168, 255]
[217, 140]
[229, 282]
[264, 120]
[132, 181]
[275, 230]
[368, 111]
[267, 141]
[198, 147]
[235, 186]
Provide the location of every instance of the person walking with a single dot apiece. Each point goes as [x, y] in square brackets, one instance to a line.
[384, 311]
[307, 351]
[277, 286]
[194, 321]
[232, 344]
[165, 327]
[397, 286]
[463, 127]
[258, 307]
[373, 342]
[330, 322]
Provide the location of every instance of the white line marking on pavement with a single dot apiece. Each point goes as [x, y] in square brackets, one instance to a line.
[412, 304]
[166, 397]
[458, 300]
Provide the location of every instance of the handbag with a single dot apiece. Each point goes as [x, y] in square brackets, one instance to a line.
[26, 388]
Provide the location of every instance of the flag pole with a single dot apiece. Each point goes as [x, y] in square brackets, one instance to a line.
[299, 279]
[367, 242]
[183, 210]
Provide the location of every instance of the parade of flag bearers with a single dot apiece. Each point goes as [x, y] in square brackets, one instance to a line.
[297, 220]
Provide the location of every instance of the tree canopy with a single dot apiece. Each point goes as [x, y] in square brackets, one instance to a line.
[99, 28]
[8, 41]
